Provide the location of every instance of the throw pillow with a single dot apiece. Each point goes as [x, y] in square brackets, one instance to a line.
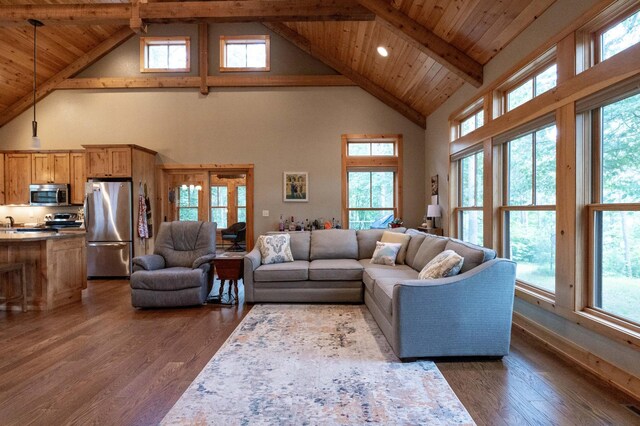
[446, 264]
[397, 237]
[385, 253]
[275, 248]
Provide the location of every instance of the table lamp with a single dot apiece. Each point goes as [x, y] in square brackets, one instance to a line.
[433, 211]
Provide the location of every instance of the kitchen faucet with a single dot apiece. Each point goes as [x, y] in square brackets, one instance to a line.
[11, 221]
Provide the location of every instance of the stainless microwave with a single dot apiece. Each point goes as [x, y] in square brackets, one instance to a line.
[49, 195]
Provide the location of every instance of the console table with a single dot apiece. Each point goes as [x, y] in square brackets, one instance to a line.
[434, 231]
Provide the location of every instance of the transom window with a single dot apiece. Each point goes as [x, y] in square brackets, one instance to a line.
[245, 53]
[619, 37]
[164, 54]
[532, 87]
[470, 194]
[372, 168]
[529, 217]
[472, 122]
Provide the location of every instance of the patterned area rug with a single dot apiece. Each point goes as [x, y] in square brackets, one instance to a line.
[315, 365]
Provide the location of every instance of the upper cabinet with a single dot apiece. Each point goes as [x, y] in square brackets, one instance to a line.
[50, 168]
[114, 161]
[17, 177]
[78, 174]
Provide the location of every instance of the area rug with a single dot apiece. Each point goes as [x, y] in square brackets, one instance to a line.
[315, 365]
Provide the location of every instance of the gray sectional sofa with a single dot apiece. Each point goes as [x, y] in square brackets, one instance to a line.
[465, 315]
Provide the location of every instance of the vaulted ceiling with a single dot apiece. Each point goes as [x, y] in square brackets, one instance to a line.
[435, 46]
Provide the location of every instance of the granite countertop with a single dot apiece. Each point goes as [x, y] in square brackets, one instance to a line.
[37, 236]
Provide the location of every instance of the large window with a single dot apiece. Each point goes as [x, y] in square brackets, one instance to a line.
[470, 193]
[615, 211]
[245, 53]
[164, 54]
[372, 171]
[529, 220]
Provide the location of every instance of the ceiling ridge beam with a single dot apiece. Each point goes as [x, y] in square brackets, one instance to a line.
[72, 69]
[362, 81]
[193, 11]
[426, 41]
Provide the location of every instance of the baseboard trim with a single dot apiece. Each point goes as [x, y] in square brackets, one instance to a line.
[606, 371]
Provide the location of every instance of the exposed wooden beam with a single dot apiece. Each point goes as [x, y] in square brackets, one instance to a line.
[212, 11]
[74, 68]
[362, 81]
[211, 81]
[426, 41]
[203, 62]
[135, 22]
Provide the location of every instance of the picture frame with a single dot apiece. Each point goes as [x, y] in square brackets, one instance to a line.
[295, 187]
[434, 189]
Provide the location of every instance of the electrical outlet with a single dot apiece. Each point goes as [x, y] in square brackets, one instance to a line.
[265, 213]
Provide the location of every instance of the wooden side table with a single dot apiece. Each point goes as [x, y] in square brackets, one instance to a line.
[434, 231]
[230, 267]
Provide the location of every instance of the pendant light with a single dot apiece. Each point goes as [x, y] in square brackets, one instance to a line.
[35, 140]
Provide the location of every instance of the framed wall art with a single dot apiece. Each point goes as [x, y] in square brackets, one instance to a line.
[295, 187]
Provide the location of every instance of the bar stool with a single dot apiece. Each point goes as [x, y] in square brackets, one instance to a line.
[11, 267]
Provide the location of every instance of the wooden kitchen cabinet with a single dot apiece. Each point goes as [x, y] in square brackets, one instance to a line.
[108, 161]
[17, 177]
[50, 167]
[78, 177]
[1, 178]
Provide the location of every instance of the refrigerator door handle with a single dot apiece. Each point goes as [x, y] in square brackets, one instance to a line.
[107, 244]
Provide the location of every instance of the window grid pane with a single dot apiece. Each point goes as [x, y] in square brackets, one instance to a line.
[520, 95]
[620, 37]
[546, 80]
[471, 229]
[545, 143]
[359, 189]
[520, 171]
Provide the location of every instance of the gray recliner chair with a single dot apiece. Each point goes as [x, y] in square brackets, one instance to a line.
[177, 274]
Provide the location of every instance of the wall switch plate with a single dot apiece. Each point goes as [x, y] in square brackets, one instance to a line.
[265, 213]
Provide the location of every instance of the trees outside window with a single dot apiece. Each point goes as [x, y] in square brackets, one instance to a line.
[188, 202]
[470, 192]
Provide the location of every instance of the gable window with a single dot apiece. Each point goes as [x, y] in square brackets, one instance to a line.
[372, 170]
[164, 54]
[245, 53]
[622, 35]
[472, 122]
[470, 193]
[529, 217]
[614, 213]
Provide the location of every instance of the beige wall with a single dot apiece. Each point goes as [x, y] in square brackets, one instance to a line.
[296, 129]
[437, 161]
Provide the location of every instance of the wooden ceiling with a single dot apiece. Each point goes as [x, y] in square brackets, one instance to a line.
[435, 46]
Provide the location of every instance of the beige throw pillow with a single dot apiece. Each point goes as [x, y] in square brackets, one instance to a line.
[275, 248]
[446, 264]
[397, 237]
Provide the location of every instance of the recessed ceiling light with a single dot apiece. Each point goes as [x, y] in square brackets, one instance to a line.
[382, 51]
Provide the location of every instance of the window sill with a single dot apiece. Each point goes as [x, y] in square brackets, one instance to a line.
[260, 69]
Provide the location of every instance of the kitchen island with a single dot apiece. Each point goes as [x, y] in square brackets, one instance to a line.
[56, 270]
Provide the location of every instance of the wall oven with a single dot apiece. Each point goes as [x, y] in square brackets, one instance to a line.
[49, 195]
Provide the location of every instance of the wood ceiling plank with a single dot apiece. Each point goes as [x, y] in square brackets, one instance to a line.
[412, 32]
[359, 79]
[476, 25]
[78, 65]
[454, 17]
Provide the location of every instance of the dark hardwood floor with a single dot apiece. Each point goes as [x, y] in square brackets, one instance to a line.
[104, 362]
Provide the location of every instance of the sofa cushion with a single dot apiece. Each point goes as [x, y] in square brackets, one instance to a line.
[473, 255]
[386, 253]
[334, 244]
[430, 248]
[335, 270]
[396, 237]
[275, 248]
[374, 272]
[169, 279]
[300, 244]
[383, 294]
[417, 238]
[367, 239]
[446, 264]
[298, 270]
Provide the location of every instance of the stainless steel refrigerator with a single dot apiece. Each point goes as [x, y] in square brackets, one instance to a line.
[108, 221]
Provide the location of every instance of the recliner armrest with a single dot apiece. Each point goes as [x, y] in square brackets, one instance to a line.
[149, 262]
[203, 260]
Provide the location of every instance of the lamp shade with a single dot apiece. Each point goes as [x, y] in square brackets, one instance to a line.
[433, 210]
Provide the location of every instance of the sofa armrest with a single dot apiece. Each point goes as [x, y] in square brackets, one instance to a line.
[149, 262]
[252, 261]
[467, 314]
[203, 261]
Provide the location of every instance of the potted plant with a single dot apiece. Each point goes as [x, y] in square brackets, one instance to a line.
[396, 223]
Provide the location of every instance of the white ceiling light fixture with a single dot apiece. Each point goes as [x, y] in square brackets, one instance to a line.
[382, 51]
[35, 140]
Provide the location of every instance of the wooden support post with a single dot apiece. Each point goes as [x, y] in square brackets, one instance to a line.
[203, 57]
